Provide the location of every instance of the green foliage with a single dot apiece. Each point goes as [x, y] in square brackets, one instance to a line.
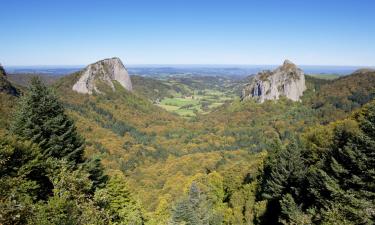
[198, 171]
[38, 184]
[187, 95]
[96, 173]
[71, 202]
[5, 86]
[224, 198]
[325, 76]
[345, 181]
[34, 190]
[291, 213]
[338, 188]
[21, 158]
[117, 199]
[343, 95]
[160, 152]
[23, 180]
[195, 209]
[153, 89]
[284, 171]
[41, 119]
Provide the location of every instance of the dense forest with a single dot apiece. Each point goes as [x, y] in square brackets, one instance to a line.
[119, 158]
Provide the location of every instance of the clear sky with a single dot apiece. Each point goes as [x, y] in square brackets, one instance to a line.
[78, 32]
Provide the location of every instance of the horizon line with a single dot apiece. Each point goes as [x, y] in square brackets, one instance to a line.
[178, 64]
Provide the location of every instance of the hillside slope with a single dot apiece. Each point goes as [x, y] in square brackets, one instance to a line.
[5, 85]
[162, 154]
[8, 97]
[343, 95]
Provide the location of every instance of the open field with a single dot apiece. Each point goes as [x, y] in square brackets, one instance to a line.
[188, 95]
[202, 101]
[325, 76]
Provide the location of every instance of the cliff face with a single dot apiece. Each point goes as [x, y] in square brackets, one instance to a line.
[105, 71]
[5, 85]
[287, 80]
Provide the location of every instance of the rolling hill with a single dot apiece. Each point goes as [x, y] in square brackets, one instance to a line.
[162, 153]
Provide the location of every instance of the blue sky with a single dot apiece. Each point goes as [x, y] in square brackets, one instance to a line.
[78, 32]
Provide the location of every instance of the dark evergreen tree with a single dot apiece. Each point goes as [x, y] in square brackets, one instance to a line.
[23, 180]
[344, 186]
[292, 213]
[200, 205]
[283, 174]
[182, 212]
[72, 202]
[286, 172]
[194, 210]
[41, 119]
[96, 171]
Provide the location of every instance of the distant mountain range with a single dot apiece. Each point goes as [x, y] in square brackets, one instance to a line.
[167, 70]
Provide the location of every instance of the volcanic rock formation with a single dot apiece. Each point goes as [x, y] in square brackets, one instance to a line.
[287, 80]
[105, 71]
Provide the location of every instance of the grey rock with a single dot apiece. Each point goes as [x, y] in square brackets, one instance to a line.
[287, 80]
[106, 71]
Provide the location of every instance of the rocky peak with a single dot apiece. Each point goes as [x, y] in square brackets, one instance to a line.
[5, 85]
[286, 80]
[105, 71]
[288, 65]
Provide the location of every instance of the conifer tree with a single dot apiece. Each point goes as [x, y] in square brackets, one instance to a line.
[23, 180]
[71, 202]
[96, 171]
[183, 213]
[291, 213]
[283, 175]
[194, 210]
[344, 186]
[41, 119]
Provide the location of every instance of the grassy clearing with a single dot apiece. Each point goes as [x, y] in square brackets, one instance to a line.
[188, 96]
[179, 101]
[202, 101]
[326, 76]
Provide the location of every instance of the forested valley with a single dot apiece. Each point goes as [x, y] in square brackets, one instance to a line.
[120, 157]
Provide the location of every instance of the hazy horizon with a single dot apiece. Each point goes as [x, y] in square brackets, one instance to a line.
[194, 69]
[183, 65]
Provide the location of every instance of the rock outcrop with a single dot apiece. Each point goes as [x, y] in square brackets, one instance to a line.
[105, 71]
[5, 85]
[287, 80]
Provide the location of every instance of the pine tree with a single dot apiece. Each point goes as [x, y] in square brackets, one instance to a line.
[344, 185]
[23, 180]
[183, 213]
[194, 210]
[291, 213]
[72, 202]
[41, 119]
[96, 171]
[284, 173]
